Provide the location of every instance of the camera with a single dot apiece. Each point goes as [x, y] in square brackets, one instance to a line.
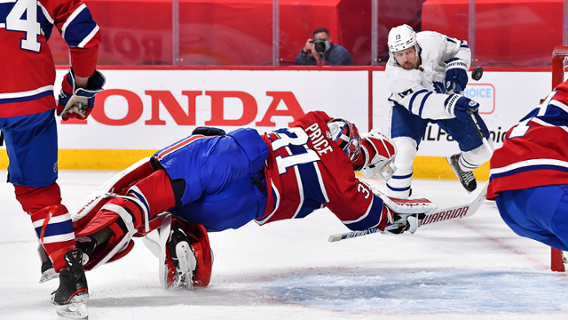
[319, 45]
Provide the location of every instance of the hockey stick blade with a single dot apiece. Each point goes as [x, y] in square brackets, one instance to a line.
[447, 214]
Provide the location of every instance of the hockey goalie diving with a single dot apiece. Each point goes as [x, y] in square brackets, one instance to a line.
[289, 269]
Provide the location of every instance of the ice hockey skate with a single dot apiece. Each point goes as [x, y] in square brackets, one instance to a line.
[180, 252]
[70, 297]
[87, 246]
[48, 273]
[466, 178]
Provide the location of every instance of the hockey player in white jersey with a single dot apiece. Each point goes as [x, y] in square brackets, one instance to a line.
[426, 74]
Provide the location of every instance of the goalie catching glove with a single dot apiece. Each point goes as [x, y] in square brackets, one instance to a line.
[75, 102]
[379, 153]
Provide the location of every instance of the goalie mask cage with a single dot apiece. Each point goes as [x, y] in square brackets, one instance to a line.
[559, 64]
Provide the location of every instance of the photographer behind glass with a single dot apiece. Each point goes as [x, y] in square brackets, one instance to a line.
[321, 49]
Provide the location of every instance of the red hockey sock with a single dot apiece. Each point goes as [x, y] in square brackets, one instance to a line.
[33, 199]
[51, 220]
[54, 229]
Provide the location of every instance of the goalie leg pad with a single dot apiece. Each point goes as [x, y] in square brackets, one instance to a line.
[125, 215]
[156, 195]
[119, 244]
[118, 184]
[118, 208]
[122, 216]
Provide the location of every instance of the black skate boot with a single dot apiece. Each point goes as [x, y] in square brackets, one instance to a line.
[466, 178]
[184, 261]
[87, 246]
[73, 292]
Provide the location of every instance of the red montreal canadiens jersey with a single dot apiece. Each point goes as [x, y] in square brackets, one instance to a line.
[306, 171]
[535, 151]
[26, 64]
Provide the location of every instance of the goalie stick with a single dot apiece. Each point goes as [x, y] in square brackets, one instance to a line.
[446, 214]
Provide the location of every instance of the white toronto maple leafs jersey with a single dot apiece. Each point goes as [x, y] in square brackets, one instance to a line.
[422, 91]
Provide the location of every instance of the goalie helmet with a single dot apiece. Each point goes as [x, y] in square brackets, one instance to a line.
[401, 38]
[346, 135]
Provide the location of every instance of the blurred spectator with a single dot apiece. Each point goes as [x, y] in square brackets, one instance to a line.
[320, 48]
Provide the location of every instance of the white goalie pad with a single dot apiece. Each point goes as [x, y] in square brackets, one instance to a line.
[104, 191]
[156, 242]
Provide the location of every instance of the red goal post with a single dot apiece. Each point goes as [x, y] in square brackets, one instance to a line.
[559, 64]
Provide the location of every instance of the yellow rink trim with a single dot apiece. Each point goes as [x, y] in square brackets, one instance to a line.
[92, 159]
[103, 159]
[438, 168]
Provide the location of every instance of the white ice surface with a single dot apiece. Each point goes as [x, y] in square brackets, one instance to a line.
[475, 268]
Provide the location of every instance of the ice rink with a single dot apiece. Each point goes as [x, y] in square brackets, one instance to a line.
[475, 268]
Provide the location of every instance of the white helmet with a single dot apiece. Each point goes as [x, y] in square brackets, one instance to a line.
[401, 38]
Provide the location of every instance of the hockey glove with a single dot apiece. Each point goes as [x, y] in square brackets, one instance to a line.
[404, 223]
[400, 215]
[379, 153]
[460, 106]
[76, 102]
[456, 75]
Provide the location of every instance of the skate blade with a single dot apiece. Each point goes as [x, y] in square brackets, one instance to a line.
[48, 275]
[73, 311]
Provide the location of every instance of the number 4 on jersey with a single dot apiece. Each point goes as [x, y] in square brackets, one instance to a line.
[23, 17]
